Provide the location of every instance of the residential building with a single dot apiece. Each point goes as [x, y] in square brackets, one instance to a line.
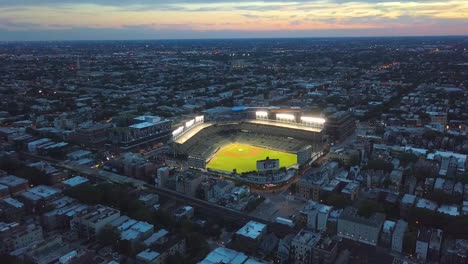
[14, 236]
[228, 256]
[399, 235]
[188, 183]
[250, 235]
[302, 247]
[325, 251]
[340, 125]
[359, 228]
[422, 244]
[90, 222]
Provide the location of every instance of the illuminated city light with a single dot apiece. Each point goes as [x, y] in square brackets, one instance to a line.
[199, 119]
[285, 117]
[189, 123]
[177, 131]
[313, 119]
[261, 114]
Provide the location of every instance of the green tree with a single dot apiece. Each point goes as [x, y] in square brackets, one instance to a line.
[176, 259]
[379, 164]
[335, 200]
[197, 246]
[108, 236]
[407, 158]
[368, 208]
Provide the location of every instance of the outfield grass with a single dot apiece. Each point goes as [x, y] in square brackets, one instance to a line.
[244, 158]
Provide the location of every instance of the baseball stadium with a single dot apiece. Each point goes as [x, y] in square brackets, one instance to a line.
[265, 142]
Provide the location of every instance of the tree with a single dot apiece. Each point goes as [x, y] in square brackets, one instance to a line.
[335, 200]
[379, 164]
[197, 246]
[409, 242]
[354, 160]
[86, 193]
[176, 259]
[293, 188]
[387, 182]
[407, 158]
[108, 236]
[369, 208]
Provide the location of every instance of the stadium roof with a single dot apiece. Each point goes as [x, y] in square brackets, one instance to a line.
[194, 130]
[286, 125]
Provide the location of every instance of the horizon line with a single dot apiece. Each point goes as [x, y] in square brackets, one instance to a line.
[238, 38]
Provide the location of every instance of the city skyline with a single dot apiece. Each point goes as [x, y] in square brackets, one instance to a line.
[182, 19]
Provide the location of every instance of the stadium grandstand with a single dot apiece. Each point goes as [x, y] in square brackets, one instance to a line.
[283, 131]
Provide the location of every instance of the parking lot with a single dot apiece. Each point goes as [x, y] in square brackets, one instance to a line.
[280, 204]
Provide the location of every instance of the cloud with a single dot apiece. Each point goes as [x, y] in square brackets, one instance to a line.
[200, 18]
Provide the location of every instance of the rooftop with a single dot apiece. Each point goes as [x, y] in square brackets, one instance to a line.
[408, 199]
[252, 229]
[426, 204]
[148, 255]
[43, 191]
[13, 202]
[307, 238]
[12, 180]
[449, 210]
[351, 214]
[227, 256]
[75, 181]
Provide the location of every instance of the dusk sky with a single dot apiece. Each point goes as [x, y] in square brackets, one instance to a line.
[166, 19]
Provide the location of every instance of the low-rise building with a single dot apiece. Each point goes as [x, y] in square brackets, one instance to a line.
[422, 244]
[302, 247]
[250, 235]
[355, 227]
[88, 223]
[188, 183]
[14, 236]
[387, 233]
[15, 184]
[228, 256]
[399, 235]
[325, 251]
[184, 212]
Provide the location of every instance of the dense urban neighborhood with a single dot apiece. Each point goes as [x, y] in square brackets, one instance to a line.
[307, 151]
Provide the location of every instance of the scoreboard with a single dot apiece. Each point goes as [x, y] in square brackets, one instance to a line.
[267, 164]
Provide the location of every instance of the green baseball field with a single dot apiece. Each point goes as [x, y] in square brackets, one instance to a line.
[244, 158]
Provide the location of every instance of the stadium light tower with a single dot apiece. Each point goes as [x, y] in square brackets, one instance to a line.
[177, 132]
[285, 118]
[189, 123]
[199, 119]
[313, 121]
[262, 115]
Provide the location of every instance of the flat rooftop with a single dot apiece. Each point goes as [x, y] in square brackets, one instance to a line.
[43, 191]
[12, 180]
[252, 229]
[228, 256]
[148, 255]
[75, 181]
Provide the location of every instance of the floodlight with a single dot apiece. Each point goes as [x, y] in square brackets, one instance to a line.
[189, 123]
[285, 117]
[313, 120]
